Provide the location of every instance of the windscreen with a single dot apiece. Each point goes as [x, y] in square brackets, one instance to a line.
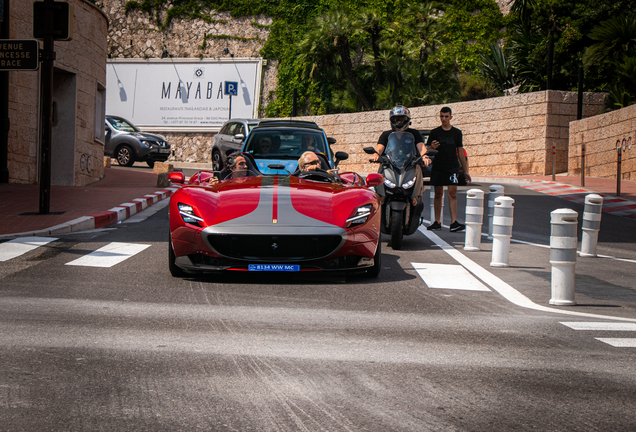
[400, 148]
[283, 143]
[121, 125]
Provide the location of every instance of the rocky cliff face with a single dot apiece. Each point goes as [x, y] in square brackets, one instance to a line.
[136, 34]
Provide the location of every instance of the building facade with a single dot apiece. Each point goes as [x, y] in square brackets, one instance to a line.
[79, 80]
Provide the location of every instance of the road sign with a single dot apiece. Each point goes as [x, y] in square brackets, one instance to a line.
[19, 54]
[231, 88]
[62, 20]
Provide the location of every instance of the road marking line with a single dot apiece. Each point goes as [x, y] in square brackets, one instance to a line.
[505, 290]
[619, 342]
[602, 326]
[448, 276]
[19, 246]
[109, 255]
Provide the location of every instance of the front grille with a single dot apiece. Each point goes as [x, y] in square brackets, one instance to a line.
[274, 247]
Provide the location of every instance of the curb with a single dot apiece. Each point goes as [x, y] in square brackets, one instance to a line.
[103, 219]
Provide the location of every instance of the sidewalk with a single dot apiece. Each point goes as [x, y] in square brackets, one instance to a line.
[75, 208]
[124, 191]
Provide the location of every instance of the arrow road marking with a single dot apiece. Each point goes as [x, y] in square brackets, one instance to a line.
[109, 255]
[19, 246]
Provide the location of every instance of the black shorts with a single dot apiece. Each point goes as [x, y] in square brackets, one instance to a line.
[449, 177]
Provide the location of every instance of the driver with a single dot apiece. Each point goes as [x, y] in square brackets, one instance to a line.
[308, 161]
[400, 118]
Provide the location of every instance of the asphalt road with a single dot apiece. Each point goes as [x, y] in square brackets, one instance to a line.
[128, 347]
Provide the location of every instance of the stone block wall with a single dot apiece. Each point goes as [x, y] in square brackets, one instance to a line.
[509, 135]
[599, 135]
[85, 56]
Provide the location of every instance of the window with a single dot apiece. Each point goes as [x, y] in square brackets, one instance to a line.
[100, 112]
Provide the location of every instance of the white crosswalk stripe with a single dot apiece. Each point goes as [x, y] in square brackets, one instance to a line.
[109, 255]
[19, 246]
[448, 276]
[607, 326]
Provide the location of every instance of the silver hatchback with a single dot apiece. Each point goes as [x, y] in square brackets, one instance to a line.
[229, 139]
[126, 143]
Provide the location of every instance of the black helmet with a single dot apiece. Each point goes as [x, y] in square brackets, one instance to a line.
[400, 118]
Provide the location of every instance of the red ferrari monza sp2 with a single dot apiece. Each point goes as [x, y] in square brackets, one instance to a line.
[306, 221]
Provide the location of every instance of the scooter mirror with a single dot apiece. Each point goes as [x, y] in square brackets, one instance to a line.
[369, 150]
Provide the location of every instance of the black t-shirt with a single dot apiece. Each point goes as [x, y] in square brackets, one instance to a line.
[449, 142]
[384, 138]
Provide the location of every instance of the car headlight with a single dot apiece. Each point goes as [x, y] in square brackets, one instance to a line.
[360, 216]
[188, 215]
[410, 183]
[389, 183]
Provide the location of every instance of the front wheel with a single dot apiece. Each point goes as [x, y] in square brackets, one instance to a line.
[175, 271]
[125, 156]
[374, 271]
[396, 229]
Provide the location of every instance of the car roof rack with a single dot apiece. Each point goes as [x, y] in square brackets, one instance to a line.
[292, 123]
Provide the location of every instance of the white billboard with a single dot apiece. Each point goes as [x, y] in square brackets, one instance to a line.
[183, 93]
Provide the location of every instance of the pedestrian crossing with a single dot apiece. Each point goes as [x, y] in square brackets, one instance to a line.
[611, 204]
[104, 257]
[607, 327]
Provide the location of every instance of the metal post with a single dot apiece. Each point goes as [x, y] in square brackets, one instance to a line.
[474, 219]
[563, 256]
[230, 108]
[579, 116]
[618, 168]
[48, 57]
[553, 161]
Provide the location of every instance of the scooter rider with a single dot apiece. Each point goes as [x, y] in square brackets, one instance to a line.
[400, 118]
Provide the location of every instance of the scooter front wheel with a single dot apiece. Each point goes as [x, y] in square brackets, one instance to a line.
[396, 229]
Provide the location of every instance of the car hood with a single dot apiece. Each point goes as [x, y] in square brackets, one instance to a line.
[274, 204]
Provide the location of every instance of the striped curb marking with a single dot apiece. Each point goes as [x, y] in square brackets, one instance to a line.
[126, 210]
[611, 204]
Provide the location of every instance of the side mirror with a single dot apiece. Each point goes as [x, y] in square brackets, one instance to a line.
[431, 152]
[240, 137]
[369, 150]
[374, 179]
[176, 177]
[340, 156]
[331, 140]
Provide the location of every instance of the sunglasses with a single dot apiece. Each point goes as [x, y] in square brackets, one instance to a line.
[312, 163]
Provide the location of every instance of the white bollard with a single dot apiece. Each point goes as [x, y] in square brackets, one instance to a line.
[563, 256]
[431, 200]
[501, 231]
[494, 191]
[474, 219]
[591, 224]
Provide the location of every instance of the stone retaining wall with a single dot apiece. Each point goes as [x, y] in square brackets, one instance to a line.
[599, 134]
[509, 135]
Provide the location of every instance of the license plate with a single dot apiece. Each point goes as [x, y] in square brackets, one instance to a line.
[274, 267]
[164, 150]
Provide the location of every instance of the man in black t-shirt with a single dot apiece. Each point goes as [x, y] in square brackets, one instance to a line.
[446, 139]
[400, 118]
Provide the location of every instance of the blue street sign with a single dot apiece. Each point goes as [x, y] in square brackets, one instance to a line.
[231, 88]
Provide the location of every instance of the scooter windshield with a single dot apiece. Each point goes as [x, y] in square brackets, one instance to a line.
[400, 148]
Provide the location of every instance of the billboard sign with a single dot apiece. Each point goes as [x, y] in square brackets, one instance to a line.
[182, 93]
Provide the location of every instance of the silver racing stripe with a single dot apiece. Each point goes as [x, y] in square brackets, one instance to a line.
[288, 220]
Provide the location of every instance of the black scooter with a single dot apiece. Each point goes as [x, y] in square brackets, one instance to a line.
[401, 193]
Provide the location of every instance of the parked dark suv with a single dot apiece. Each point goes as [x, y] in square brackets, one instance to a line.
[230, 138]
[128, 144]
